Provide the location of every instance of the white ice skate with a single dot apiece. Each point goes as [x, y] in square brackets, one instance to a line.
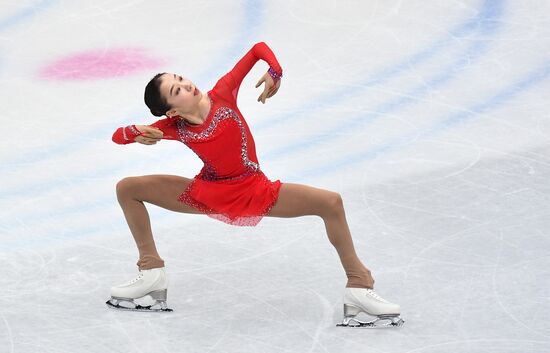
[364, 300]
[146, 292]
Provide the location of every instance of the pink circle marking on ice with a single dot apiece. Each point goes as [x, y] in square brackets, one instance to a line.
[98, 64]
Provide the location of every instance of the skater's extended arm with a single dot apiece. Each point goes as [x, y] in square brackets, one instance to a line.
[230, 83]
[146, 134]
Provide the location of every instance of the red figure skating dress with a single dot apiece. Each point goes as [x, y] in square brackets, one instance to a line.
[230, 187]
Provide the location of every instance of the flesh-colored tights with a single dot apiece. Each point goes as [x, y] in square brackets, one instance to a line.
[294, 200]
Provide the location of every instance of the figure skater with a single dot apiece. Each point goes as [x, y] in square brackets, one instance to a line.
[230, 187]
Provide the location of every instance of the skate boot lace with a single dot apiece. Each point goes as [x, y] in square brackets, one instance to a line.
[373, 294]
[139, 276]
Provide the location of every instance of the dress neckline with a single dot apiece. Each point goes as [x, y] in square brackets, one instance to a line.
[208, 116]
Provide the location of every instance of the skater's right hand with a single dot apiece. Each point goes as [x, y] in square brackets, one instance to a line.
[149, 134]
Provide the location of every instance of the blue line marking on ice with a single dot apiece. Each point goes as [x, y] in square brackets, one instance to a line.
[490, 10]
[24, 14]
[508, 93]
[486, 24]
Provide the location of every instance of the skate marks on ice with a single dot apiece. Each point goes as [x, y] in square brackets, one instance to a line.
[470, 246]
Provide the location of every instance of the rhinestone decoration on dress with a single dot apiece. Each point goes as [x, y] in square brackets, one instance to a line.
[220, 115]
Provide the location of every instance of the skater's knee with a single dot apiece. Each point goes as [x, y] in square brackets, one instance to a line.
[335, 204]
[331, 206]
[125, 186]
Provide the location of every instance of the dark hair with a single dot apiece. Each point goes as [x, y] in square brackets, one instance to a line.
[153, 99]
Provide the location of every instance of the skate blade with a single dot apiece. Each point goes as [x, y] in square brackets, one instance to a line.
[380, 322]
[137, 307]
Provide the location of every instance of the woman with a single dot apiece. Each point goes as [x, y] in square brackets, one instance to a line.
[230, 187]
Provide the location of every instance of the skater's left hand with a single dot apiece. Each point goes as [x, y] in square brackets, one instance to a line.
[271, 87]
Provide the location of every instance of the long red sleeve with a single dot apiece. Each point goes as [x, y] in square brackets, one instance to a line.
[126, 135]
[231, 82]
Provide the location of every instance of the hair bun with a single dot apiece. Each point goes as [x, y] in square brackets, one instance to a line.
[153, 99]
[155, 113]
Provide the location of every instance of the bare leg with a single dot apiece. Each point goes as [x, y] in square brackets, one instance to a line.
[297, 200]
[160, 190]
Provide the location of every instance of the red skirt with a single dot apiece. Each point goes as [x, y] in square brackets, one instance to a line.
[241, 201]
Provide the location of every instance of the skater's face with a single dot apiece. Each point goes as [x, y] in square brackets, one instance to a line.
[180, 93]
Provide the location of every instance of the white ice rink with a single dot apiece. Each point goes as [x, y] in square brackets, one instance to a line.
[430, 118]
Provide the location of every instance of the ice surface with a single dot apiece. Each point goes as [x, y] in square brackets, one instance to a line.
[429, 117]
